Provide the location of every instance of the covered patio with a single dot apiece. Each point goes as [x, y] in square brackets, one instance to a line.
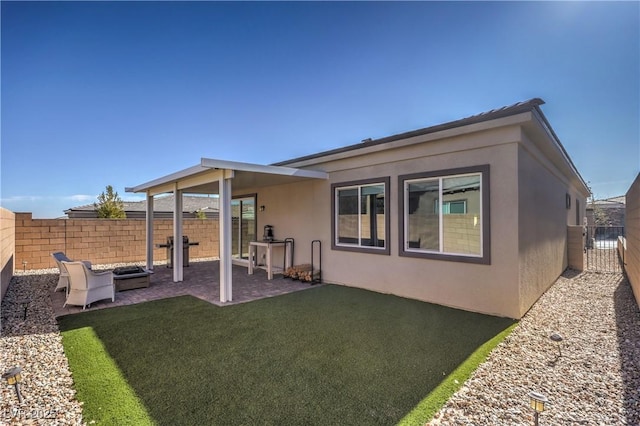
[200, 280]
[225, 179]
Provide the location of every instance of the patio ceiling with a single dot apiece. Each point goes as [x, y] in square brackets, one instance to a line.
[204, 178]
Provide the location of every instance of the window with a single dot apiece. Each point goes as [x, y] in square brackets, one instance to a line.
[444, 215]
[452, 207]
[360, 220]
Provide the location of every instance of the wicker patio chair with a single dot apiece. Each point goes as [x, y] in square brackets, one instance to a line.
[86, 286]
[63, 281]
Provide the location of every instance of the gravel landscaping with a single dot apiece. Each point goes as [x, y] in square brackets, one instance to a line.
[35, 345]
[593, 378]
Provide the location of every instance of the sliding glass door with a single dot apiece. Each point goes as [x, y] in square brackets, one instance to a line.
[243, 215]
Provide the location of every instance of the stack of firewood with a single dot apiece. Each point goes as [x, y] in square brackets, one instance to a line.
[302, 273]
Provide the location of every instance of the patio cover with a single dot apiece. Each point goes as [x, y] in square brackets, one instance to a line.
[220, 177]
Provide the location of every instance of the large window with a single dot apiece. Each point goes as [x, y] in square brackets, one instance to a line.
[445, 215]
[361, 216]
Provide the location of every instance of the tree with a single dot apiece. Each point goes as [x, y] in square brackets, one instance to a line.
[600, 214]
[109, 205]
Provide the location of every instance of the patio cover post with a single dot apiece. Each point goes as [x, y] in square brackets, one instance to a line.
[149, 223]
[177, 234]
[224, 207]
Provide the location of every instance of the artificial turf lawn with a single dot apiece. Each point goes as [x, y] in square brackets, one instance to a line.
[329, 355]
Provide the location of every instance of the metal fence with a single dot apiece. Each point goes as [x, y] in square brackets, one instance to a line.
[601, 248]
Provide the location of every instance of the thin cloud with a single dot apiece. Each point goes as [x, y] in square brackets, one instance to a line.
[80, 197]
[22, 198]
[37, 198]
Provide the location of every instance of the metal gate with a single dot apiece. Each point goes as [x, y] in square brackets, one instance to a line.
[601, 248]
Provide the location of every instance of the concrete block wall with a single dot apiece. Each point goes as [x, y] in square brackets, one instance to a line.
[7, 249]
[103, 241]
[632, 230]
[461, 233]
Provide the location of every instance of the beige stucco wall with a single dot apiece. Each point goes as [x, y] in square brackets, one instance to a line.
[303, 211]
[296, 211]
[529, 215]
[575, 249]
[543, 219]
[7, 248]
[542, 231]
[632, 228]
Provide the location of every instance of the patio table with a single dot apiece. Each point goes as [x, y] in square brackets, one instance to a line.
[268, 245]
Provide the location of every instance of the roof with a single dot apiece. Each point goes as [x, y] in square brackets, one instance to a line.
[203, 178]
[613, 202]
[529, 106]
[190, 203]
[619, 199]
[493, 114]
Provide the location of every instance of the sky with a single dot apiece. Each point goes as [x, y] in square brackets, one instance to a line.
[120, 93]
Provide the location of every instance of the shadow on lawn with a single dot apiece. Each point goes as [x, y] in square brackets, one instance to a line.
[330, 355]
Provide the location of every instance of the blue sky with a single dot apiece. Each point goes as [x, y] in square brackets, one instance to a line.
[119, 93]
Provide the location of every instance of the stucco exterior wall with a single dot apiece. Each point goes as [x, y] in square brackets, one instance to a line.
[491, 289]
[104, 241]
[7, 248]
[298, 211]
[576, 243]
[632, 254]
[543, 214]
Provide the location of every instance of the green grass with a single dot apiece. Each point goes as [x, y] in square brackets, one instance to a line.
[430, 405]
[325, 356]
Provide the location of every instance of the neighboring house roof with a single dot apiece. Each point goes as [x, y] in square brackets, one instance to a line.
[607, 203]
[621, 199]
[162, 206]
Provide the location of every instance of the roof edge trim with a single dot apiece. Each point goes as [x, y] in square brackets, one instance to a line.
[258, 168]
[517, 108]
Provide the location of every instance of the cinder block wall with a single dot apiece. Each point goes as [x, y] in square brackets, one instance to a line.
[103, 241]
[632, 229]
[7, 248]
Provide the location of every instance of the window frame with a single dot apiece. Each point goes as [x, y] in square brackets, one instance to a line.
[485, 257]
[386, 182]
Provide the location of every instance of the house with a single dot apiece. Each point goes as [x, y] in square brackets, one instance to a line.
[471, 214]
[163, 208]
[607, 212]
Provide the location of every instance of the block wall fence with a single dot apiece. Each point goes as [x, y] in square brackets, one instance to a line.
[103, 241]
[7, 248]
[632, 230]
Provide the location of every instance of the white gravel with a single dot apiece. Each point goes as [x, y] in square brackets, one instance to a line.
[595, 381]
[35, 345]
